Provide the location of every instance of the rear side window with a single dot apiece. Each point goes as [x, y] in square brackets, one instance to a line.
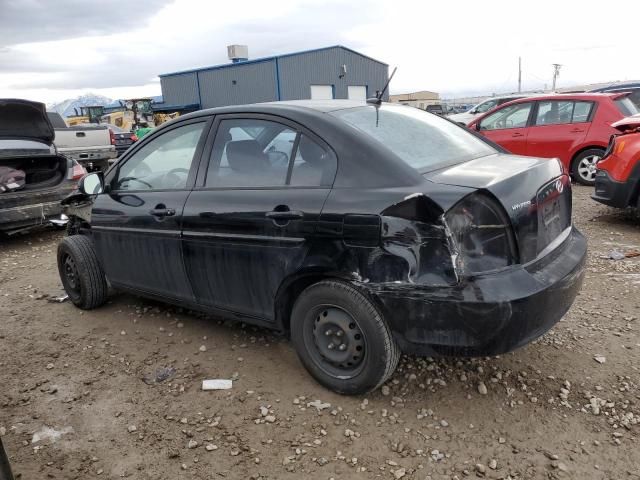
[513, 116]
[555, 112]
[313, 166]
[250, 153]
[582, 112]
[260, 153]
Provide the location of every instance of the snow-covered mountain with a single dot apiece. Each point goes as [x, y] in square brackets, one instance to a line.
[66, 107]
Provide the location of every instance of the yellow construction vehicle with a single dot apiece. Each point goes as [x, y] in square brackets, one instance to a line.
[90, 114]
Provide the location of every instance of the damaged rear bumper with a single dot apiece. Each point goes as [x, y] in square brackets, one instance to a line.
[489, 314]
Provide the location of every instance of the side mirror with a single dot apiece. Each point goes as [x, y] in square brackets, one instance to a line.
[91, 184]
[474, 111]
[477, 127]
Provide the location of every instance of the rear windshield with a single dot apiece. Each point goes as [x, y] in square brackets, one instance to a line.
[626, 106]
[423, 140]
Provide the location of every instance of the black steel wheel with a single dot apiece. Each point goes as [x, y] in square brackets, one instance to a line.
[342, 339]
[335, 341]
[80, 272]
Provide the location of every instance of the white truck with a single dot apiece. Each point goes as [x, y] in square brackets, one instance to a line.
[91, 146]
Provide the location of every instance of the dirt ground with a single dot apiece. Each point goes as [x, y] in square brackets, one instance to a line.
[74, 403]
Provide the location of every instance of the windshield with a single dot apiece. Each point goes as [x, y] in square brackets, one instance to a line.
[626, 106]
[423, 140]
[484, 106]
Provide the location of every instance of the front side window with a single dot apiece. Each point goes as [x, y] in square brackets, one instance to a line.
[250, 153]
[422, 140]
[163, 163]
[512, 116]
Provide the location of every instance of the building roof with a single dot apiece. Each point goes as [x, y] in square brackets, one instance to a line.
[421, 95]
[267, 59]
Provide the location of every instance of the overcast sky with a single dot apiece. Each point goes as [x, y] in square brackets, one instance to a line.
[51, 50]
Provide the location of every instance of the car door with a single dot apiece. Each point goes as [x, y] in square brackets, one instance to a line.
[255, 207]
[508, 127]
[559, 126]
[136, 223]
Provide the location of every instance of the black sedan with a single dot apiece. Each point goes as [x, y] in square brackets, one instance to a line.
[362, 231]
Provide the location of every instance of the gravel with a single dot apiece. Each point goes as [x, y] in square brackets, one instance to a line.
[554, 409]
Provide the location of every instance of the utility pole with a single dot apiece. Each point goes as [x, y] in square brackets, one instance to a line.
[519, 74]
[556, 72]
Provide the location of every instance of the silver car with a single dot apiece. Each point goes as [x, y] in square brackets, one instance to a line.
[470, 115]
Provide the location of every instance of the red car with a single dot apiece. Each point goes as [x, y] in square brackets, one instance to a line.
[618, 173]
[574, 128]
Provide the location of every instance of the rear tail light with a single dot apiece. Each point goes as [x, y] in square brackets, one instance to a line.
[134, 138]
[112, 137]
[481, 234]
[76, 172]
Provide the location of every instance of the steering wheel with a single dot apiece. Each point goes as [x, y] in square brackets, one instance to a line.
[172, 178]
[128, 179]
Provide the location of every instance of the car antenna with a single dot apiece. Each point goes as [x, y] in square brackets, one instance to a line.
[377, 100]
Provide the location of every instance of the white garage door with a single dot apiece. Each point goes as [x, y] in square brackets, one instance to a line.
[322, 92]
[357, 92]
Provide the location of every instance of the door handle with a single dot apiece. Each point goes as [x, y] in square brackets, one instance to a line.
[577, 130]
[284, 214]
[162, 211]
[515, 135]
[81, 134]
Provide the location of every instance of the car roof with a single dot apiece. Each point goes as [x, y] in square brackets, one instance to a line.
[291, 106]
[567, 96]
[500, 97]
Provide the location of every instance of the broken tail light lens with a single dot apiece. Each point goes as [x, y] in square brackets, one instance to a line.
[76, 172]
[481, 234]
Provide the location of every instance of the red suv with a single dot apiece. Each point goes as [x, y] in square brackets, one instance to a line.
[574, 128]
[618, 173]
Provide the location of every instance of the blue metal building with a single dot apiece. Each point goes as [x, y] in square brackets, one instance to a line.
[331, 72]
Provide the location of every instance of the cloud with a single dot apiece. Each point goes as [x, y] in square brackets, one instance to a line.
[164, 44]
[454, 49]
[27, 21]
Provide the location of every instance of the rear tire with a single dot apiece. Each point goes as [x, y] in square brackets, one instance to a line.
[81, 274]
[583, 167]
[363, 354]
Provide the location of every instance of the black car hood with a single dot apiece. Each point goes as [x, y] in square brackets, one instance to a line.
[24, 119]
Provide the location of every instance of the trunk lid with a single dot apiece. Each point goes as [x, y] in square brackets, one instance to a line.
[25, 120]
[534, 192]
[627, 123]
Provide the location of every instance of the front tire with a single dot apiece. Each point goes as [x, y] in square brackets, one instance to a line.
[81, 274]
[583, 167]
[342, 339]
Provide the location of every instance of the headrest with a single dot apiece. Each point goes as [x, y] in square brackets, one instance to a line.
[246, 156]
[311, 152]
